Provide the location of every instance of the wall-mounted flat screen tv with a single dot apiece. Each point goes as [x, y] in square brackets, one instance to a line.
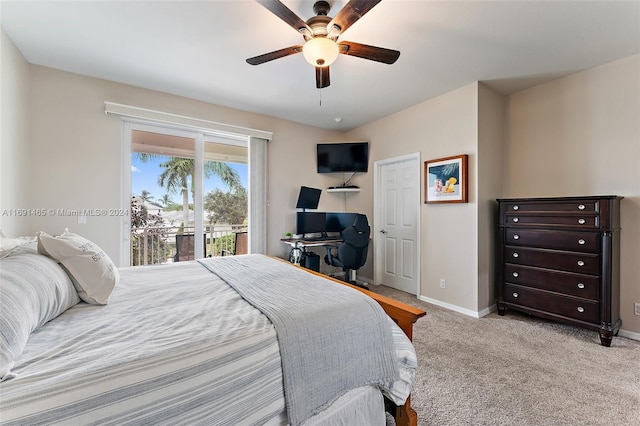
[343, 157]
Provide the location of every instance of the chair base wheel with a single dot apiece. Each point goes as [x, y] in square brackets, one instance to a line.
[358, 284]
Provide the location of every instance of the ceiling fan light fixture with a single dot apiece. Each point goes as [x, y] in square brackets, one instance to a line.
[320, 51]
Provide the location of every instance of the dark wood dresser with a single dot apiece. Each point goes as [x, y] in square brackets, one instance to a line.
[558, 258]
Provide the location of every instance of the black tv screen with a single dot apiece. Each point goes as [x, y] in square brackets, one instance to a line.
[343, 157]
[308, 198]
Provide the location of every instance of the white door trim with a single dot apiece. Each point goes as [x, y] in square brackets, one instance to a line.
[377, 214]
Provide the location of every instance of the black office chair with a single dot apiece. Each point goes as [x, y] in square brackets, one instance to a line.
[352, 252]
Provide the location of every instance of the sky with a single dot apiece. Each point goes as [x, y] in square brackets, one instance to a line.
[144, 176]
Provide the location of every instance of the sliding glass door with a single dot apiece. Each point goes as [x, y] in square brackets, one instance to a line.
[188, 194]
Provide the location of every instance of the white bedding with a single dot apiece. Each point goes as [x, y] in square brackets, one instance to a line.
[175, 345]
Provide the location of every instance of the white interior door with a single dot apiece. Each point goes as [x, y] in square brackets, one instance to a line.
[396, 223]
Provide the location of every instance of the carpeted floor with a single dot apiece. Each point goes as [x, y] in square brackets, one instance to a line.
[519, 370]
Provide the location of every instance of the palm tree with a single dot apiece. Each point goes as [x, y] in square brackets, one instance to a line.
[178, 170]
[146, 196]
[174, 178]
[166, 200]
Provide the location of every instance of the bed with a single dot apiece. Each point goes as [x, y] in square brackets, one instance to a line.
[198, 342]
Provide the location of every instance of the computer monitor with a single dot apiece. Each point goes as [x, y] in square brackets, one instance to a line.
[310, 222]
[336, 222]
[308, 198]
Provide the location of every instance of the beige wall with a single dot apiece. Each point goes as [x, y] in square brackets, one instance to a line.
[76, 153]
[440, 127]
[14, 137]
[490, 178]
[580, 135]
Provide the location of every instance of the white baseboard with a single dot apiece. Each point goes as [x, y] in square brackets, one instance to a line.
[623, 333]
[487, 311]
[629, 334]
[469, 312]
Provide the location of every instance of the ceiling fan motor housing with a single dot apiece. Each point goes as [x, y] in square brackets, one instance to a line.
[319, 23]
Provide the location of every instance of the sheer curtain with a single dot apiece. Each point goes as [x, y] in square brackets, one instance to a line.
[257, 195]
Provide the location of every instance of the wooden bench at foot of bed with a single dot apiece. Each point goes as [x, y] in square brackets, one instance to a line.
[405, 316]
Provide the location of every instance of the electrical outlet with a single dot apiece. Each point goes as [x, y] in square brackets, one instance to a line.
[636, 308]
[443, 284]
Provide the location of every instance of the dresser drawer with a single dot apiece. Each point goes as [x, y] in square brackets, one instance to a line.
[585, 286]
[562, 240]
[580, 309]
[576, 206]
[581, 263]
[577, 221]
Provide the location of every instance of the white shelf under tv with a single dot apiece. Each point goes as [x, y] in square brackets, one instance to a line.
[343, 189]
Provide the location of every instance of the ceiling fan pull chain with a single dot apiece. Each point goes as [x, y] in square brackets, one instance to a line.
[320, 96]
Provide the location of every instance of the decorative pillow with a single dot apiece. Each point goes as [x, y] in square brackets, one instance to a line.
[92, 271]
[34, 290]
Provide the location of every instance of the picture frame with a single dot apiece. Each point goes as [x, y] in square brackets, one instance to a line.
[445, 180]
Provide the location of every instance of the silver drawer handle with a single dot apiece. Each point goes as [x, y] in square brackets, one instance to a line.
[581, 221]
[515, 219]
[516, 237]
[580, 309]
[516, 207]
[580, 285]
[580, 263]
[515, 294]
[515, 255]
[515, 275]
[581, 207]
[581, 241]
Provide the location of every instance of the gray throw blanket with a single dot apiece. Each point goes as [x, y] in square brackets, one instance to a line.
[332, 338]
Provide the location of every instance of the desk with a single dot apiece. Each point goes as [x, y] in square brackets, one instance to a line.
[299, 254]
[302, 243]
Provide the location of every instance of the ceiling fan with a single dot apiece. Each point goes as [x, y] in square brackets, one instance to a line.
[321, 34]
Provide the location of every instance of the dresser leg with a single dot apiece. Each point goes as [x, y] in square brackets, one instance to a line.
[501, 309]
[607, 331]
[605, 340]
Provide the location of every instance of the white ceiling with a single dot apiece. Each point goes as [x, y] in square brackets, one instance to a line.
[198, 49]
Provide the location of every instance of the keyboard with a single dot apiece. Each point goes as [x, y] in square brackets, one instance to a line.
[324, 238]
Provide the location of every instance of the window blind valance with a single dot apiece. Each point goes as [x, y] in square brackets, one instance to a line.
[184, 121]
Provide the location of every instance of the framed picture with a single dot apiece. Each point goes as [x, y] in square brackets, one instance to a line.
[445, 180]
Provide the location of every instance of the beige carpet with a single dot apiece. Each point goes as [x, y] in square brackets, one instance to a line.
[519, 370]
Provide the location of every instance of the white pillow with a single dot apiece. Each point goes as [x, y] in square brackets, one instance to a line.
[34, 290]
[93, 273]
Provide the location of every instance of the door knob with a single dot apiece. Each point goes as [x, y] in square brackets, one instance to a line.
[383, 231]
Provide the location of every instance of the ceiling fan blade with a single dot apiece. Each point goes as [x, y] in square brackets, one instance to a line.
[351, 12]
[322, 77]
[261, 59]
[373, 53]
[283, 12]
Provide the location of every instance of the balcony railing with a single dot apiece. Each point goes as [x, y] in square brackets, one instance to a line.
[158, 245]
